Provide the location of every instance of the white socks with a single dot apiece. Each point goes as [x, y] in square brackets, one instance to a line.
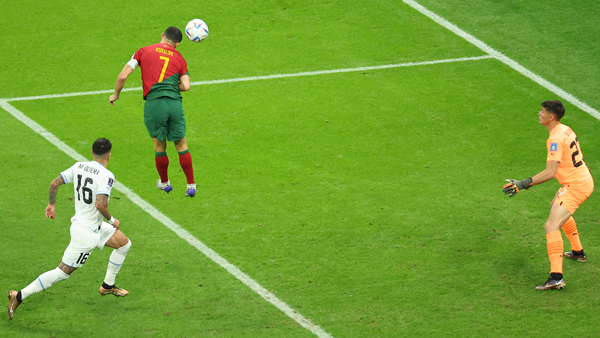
[44, 281]
[49, 278]
[117, 257]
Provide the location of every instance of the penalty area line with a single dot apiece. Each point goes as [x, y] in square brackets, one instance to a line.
[505, 59]
[263, 77]
[176, 228]
[343, 70]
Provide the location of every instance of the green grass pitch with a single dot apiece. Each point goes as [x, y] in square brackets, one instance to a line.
[369, 202]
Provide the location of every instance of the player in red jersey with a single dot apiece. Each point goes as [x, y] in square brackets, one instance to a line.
[565, 162]
[164, 76]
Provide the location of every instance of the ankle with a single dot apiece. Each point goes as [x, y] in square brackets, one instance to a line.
[556, 275]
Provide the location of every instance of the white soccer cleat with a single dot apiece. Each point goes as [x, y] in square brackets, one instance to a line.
[166, 186]
[191, 190]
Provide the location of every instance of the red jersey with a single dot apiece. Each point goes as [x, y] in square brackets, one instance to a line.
[161, 66]
[563, 146]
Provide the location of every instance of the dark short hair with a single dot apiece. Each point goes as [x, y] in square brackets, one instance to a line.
[101, 147]
[173, 34]
[555, 107]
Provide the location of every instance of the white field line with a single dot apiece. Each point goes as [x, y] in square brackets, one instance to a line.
[215, 257]
[513, 64]
[263, 77]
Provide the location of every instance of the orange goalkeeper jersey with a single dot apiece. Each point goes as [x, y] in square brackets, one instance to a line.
[563, 146]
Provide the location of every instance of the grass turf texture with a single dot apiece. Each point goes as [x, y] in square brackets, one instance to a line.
[377, 194]
[554, 39]
[182, 292]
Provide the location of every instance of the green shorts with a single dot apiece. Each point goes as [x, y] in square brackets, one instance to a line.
[164, 119]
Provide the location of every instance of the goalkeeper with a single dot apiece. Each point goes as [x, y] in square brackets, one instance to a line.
[565, 162]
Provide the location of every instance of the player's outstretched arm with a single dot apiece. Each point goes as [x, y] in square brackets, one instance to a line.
[121, 79]
[54, 185]
[546, 174]
[102, 206]
[514, 186]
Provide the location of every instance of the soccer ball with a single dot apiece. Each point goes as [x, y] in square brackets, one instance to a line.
[196, 30]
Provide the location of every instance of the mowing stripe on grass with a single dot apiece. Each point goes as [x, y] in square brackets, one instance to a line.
[214, 256]
[505, 59]
[263, 77]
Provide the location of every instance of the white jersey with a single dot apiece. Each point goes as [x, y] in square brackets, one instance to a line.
[89, 179]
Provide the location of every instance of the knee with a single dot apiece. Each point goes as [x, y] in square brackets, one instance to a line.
[65, 269]
[551, 226]
[181, 145]
[125, 248]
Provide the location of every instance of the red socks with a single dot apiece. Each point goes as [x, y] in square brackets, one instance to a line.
[162, 165]
[185, 160]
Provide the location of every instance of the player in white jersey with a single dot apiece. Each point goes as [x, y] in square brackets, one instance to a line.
[92, 184]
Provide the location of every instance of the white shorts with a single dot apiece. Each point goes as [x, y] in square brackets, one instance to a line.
[83, 240]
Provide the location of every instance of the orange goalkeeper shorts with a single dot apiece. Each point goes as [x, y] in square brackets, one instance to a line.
[571, 197]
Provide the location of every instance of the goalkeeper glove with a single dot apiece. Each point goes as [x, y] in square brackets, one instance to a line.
[515, 186]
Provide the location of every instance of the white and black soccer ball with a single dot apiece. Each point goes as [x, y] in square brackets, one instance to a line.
[196, 30]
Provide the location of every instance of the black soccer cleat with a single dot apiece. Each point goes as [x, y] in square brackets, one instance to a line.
[577, 255]
[551, 284]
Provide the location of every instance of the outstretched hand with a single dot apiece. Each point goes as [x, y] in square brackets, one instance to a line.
[514, 186]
